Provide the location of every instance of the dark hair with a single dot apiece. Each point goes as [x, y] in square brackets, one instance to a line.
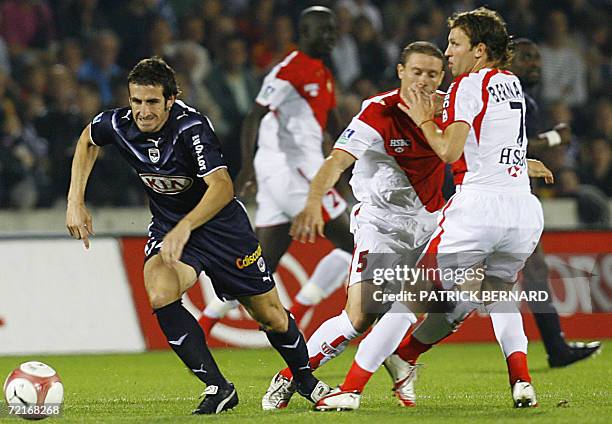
[423, 47]
[155, 71]
[485, 26]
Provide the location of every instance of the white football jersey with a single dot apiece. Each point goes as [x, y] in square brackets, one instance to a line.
[492, 103]
[300, 93]
[397, 175]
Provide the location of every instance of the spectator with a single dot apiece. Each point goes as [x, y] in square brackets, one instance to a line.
[598, 170]
[366, 9]
[276, 46]
[26, 24]
[160, 38]
[563, 68]
[80, 19]
[191, 46]
[71, 55]
[344, 55]
[372, 57]
[233, 86]
[102, 67]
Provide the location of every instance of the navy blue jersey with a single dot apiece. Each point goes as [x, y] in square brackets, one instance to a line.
[532, 116]
[172, 162]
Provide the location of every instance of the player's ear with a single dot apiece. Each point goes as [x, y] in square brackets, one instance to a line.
[170, 102]
[400, 71]
[480, 50]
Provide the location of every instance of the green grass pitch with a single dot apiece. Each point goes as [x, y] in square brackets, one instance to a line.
[460, 383]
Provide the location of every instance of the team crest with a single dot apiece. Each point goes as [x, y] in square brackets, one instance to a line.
[154, 154]
[261, 264]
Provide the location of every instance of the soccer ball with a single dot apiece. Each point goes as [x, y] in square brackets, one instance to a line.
[33, 391]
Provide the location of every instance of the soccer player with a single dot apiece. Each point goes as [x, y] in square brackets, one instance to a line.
[397, 180]
[526, 66]
[493, 219]
[197, 225]
[288, 119]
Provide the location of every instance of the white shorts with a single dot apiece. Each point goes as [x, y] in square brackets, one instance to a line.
[497, 230]
[379, 245]
[282, 196]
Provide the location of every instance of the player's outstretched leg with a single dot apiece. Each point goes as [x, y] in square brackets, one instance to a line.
[327, 342]
[372, 351]
[284, 335]
[330, 273]
[164, 287]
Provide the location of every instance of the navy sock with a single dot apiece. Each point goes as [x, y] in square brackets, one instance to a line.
[186, 338]
[292, 347]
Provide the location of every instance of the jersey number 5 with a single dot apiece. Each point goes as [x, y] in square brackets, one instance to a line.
[363, 261]
[519, 105]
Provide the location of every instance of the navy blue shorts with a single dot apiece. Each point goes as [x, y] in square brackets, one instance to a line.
[226, 248]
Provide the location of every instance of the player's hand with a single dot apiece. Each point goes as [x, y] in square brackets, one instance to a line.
[308, 224]
[79, 222]
[420, 104]
[438, 102]
[536, 169]
[245, 184]
[174, 242]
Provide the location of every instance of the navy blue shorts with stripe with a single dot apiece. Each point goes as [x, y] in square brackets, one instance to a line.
[226, 248]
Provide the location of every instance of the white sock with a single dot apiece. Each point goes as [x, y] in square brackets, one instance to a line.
[330, 339]
[217, 308]
[330, 273]
[384, 338]
[508, 327]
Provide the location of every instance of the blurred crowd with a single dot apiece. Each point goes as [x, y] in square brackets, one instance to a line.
[62, 61]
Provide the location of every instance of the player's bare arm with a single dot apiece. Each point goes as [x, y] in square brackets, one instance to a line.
[245, 181]
[219, 193]
[310, 222]
[561, 134]
[78, 218]
[537, 169]
[447, 144]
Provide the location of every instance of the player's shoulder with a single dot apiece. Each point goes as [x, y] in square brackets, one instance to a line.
[189, 122]
[113, 118]
[286, 67]
[379, 105]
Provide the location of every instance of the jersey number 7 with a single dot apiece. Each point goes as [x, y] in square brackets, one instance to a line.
[519, 105]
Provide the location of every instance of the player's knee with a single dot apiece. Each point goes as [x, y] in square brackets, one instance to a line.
[272, 318]
[159, 297]
[360, 321]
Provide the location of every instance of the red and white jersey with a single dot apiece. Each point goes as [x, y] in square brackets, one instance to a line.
[491, 101]
[396, 170]
[300, 93]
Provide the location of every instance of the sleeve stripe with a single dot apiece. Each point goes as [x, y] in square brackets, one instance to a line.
[485, 99]
[211, 171]
[451, 104]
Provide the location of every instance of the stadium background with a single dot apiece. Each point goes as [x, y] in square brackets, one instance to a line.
[61, 61]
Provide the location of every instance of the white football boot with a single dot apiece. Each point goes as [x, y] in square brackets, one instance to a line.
[404, 375]
[278, 394]
[339, 400]
[523, 395]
